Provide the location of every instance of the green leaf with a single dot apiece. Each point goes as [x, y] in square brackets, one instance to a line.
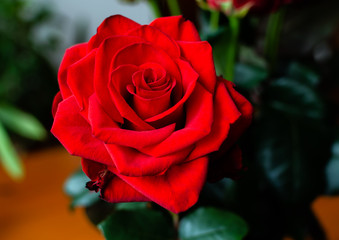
[22, 123]
[131, 205]
[212, 224]
[303, 74]
[221, 193]
[292, 153]
[141, 224]
[249, 76]
[75, 188]
[8, 156]
[248, 56]
[294, 97]
[332, 170]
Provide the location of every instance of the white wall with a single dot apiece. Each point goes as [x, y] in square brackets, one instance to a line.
[71, 14]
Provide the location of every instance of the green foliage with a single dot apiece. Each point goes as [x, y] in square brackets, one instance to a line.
[21, 123]
[75, 188]
[8, 156]
[26, 78]
[212, 224]
[26, 75]
[139, 224]
[249, 76]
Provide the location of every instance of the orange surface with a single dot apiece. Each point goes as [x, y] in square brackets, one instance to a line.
[37, 208]
[327, 211]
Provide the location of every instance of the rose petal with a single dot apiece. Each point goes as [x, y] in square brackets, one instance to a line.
[72, 55]
[155, 92]
[131, 162]
[243, 122]
[57, 99]
[176, 190]
[177, 27]
[193, 52]
[157, 69]
[73, 131]
[112, 26]
[225, 113]
[227, 165]
[116, 190]
[80, 79]
[152, 106]
[144, 53]
[139, 80]
[123, 75]
[189, 78]
[157, 39]
[110, 132]
[199, 119]
[102, 71]
[92, 168]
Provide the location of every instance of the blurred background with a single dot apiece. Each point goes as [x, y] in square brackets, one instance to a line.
[291, 151]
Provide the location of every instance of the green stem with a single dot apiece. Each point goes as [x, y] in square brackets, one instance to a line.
[155, 7]
[174, 7]
[273, 33]
[232, 48]
[214, 20]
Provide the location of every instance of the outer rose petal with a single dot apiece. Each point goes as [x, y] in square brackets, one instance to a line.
[72, 130]
[115, 190]
[72, 55]
[177, 27]
[225, 113]
[131, 162]
[157, 39]
[227, 161]
[177, 189]
[80, 79]
[194, 52]
[57, 99]
[239, 127]
[116, 25]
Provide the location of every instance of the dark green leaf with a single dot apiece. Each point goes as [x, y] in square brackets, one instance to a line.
[131, 205]
[248, 76]
[8, 156]
[22, 123]
[248, 56]
[212, 224]
[303, 74]
[295, 98]
[75, 188]
[292, 154]
[141, 224]
[219, 193]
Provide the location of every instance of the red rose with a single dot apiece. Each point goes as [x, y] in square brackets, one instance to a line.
[254, 5]
[261, 5]
[144, 109]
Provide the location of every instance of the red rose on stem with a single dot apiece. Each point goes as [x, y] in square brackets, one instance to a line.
[254, 5]
[144, 109]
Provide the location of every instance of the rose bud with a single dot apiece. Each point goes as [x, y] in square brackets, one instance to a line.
[143, 107]
[241, 7]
